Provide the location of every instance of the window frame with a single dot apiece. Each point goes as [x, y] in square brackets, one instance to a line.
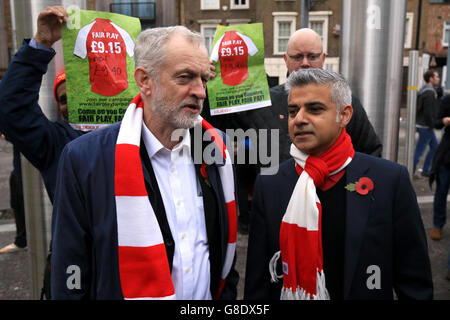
[282, 17]
[204, 26]
[239, 6]
[323, 16]
[445, 27]
[202, 5]
[409, 30]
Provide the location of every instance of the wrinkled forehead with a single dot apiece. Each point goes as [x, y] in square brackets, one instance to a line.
[183, 54]
[180, 47]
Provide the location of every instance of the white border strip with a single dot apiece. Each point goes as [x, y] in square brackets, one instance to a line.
[244, 107]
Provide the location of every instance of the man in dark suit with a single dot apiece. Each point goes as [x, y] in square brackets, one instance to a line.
[342, 224]
[136, 214]
[304, 51]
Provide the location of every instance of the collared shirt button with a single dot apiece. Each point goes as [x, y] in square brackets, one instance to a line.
[188, 270]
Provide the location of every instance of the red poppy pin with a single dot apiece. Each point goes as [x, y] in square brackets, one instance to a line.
[362, 187]
[204, 174]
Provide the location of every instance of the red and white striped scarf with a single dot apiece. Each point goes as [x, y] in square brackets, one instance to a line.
[301, 231]
[143, 263]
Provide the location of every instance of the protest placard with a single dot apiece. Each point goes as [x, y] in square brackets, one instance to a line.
[98, 59]
[241, 82]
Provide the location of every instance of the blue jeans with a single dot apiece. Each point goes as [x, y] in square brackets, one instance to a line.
[426, 137]
[440, 197]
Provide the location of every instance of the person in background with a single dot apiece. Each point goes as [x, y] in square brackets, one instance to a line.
[15, 180]
[427, 107]
[304, 51]
[17, 205]
[22, 121]
[21, 118]
[440, 170]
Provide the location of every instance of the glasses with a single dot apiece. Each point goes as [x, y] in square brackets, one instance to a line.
[62, 99]
[309, 56]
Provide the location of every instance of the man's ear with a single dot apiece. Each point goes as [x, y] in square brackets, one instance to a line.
[345, 115]
[323, 56]
[143, 81]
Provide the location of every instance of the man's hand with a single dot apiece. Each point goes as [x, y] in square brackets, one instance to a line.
[212, 69]
[446, 121]
[49, 24]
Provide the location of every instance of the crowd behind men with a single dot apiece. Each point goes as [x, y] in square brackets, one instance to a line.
[194, 230]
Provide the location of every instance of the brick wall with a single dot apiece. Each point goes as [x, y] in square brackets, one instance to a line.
[434, 26]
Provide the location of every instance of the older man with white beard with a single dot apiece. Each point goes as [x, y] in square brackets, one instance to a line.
[134, 216]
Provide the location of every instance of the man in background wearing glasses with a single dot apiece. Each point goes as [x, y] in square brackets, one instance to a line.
[304, 50]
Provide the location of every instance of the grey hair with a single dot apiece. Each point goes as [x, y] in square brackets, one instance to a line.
[341, 94]
[151, 45]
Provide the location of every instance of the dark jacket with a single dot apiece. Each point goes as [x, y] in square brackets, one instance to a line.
[427, 107]
[442, 155]
[21, 119]
[84, 225]
[383, 228]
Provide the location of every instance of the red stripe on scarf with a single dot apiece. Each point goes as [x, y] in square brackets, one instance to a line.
[129, 177]
[215, 136]
[317, 170]
[338, 152]
[329, 182]
[232, 221]
[320, 168]
[137, 101]
[144, 272]
[299, 256]
[220, 289]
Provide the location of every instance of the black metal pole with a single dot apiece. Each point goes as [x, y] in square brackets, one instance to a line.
[419, 16]
[304, 23]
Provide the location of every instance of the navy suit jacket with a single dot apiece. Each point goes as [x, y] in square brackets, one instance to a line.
[383, 229]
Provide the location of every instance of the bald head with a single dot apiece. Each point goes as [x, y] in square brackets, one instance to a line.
[305, 38]
[304, 50]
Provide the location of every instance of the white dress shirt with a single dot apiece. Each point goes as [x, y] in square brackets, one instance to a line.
[183, 203]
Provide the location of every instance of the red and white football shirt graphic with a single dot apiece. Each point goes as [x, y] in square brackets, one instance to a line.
[106, 45]
[232, 50]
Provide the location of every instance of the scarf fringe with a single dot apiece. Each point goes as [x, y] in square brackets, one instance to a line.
[300, 293]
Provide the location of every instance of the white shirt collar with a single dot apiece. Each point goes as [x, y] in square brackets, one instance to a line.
[153, 145]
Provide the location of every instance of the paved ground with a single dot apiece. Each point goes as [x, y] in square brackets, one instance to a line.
[15, 281]
[6, 156]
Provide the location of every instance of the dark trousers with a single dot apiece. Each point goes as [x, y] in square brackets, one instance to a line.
[245, 178]
[440, 197]
[16, 201]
